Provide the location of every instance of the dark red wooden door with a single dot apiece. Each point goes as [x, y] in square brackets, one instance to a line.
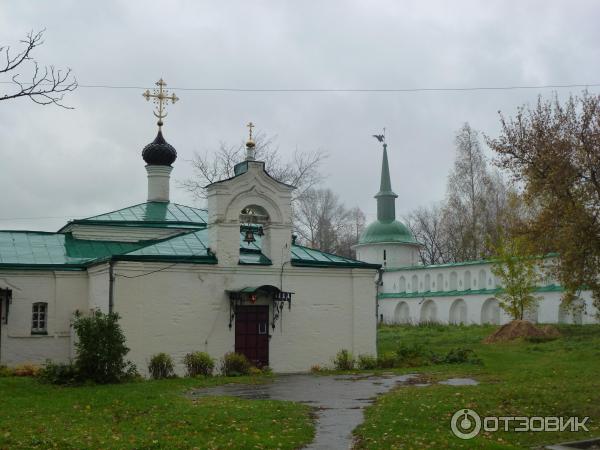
[252, 333]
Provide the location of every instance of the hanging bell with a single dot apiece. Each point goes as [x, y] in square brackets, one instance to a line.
[261, 233]
[249, 237]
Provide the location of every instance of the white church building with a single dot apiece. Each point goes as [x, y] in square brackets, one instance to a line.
[222, 279]
[455, 293]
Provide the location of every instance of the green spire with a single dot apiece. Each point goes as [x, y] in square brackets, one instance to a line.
[386, 198]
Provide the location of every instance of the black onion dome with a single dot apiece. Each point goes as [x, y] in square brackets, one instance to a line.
[159, 152]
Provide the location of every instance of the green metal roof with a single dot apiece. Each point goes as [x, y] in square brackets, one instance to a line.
[61, 251]
[386, 229]
[153, 214]
[34, 249]
[304, 256]
[58, 251]
[189, 247]
[254, 258]
[426, 294]
[390, 231]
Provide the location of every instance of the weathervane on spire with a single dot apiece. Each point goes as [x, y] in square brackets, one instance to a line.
[160, 97]
[381, 137]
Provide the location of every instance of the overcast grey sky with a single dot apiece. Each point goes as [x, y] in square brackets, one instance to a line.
[71, 163]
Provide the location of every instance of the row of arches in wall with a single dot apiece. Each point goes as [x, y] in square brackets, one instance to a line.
[451, 283]
[490, 313]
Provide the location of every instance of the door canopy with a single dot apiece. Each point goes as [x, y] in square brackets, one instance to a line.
[250, 294]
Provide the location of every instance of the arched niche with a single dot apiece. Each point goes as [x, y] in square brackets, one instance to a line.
[453, 281]
[490, 312]
[482, 277]
[428, 312]
[468, 283]
[439, 284]
[414, 284]
[402, 313]
[458, 312]
[402, 284]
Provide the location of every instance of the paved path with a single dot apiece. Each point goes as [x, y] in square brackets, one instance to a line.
[339, 400]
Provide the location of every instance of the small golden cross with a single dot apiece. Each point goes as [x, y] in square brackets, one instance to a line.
[250, 126]
[160, 97]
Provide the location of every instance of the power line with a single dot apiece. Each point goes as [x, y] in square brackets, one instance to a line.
[147, 273]
[344, 90]
[41, 218]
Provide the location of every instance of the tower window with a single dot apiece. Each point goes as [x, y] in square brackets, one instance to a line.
[39, 318]
[384, 255]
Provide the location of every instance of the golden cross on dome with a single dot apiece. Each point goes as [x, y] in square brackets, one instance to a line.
[160, 97]
[250, 126]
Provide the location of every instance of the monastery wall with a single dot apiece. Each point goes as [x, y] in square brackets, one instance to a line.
[185, 308]
[464, 293]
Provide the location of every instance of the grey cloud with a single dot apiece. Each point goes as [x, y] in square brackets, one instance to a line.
[58, 163]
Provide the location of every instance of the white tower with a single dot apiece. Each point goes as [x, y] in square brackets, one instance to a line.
[387, 241]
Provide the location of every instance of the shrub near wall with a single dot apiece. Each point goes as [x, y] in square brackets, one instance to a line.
[161, 366]
[199, 363]
[101, 349]
[235, 364]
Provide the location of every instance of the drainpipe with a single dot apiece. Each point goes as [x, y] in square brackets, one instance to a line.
[378, 284]
[111, 285]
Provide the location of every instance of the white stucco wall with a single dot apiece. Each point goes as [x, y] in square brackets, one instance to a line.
[396, 254]
[185, 308]
[463, 278]
[98, 288]
[63, 291]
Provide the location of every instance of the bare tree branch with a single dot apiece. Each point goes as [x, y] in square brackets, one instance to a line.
[302, 171]
[45, 86]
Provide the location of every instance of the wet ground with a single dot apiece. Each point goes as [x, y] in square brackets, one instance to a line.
[338, 400]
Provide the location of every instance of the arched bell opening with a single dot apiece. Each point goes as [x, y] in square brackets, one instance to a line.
[253, 219]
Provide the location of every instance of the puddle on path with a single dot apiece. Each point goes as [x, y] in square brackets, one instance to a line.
[460, 382]
[338, 400]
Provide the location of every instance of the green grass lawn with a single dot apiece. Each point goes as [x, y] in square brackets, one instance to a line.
[560, 377]
[144, 415]
[555, 378]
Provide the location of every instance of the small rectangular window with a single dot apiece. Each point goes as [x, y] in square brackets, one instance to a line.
[39, 318]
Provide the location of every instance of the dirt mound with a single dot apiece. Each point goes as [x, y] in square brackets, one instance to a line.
[520, 329]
